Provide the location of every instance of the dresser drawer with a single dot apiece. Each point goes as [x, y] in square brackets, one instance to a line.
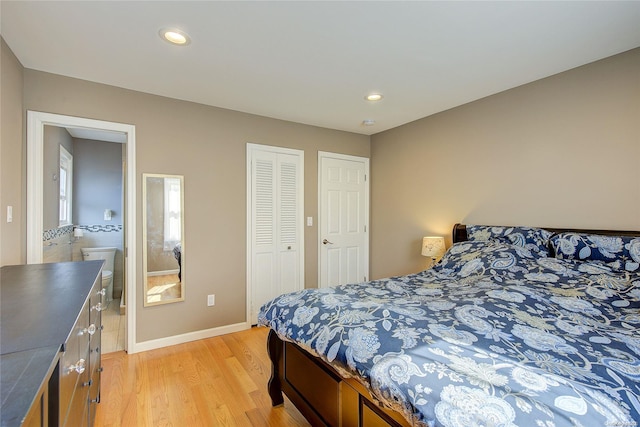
[74, 365]
[97, 302]
[78, 410]
[95, 364]
[94, 396]
[97, 305]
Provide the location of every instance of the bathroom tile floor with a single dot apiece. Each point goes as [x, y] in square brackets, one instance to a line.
[113, 328]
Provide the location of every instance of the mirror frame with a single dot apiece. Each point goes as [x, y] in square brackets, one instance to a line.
[145, 273]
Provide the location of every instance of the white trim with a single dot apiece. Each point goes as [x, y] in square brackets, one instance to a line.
[191, 336]
[251, 147]
[249, 244]
[66, 159]
[35, 153]
[131, 233]
[365, 160]
[327, 154]
[35, 176]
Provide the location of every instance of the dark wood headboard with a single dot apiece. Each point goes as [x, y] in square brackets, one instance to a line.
[460, 232]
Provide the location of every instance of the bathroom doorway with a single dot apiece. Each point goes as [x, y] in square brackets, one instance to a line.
[98, 214]
[104, 153]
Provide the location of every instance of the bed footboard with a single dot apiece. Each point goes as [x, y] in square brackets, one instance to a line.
[319, 392]
[274, 348]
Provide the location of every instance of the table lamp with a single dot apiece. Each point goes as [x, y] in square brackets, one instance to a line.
[433, 247]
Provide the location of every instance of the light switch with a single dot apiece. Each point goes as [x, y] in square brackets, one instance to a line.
[309, 221]
[9, 213]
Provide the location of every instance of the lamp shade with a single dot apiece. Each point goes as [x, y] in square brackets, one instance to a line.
[433, 246]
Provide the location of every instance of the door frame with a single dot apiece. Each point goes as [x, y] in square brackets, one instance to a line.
[365, 160]
[35, 158]
[251, 147]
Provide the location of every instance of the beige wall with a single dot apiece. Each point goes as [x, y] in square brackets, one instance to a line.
[562, 151]
[208, 146]
[12, 159]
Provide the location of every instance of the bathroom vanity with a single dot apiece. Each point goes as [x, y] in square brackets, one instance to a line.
[50, 331]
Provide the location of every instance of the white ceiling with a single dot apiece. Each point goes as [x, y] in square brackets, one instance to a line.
[314, 61]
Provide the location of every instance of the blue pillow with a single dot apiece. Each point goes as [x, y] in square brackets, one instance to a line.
[532, 238]
[619, 252]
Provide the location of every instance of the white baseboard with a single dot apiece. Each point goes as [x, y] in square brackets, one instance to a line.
[188, 337]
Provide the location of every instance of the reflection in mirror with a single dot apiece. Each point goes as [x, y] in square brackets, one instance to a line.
[163, 226]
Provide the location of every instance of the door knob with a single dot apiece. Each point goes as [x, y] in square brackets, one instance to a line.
[326, 242]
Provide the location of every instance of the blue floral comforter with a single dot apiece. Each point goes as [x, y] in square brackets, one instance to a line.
[494, 335]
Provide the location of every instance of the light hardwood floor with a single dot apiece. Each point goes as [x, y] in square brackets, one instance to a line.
[220, 381]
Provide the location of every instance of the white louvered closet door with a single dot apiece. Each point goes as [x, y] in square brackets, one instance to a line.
[276, 260]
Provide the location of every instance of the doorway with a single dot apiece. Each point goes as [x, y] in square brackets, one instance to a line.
[100, 130]
[343, 219]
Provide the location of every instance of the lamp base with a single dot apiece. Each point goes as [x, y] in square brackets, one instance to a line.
[431, 263]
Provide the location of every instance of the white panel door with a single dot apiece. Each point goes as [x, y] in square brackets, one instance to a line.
[275, 263]
[343, 219]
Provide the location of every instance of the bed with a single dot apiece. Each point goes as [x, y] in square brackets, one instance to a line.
[515, 326]
[177, 253]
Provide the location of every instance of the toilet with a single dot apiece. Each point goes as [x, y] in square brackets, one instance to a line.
[109, 256]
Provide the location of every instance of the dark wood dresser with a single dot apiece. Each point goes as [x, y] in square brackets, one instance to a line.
[50, 331]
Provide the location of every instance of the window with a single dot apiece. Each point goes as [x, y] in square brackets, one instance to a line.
[172, 207]
[66, 186]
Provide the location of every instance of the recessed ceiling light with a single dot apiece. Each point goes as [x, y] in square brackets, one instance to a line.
[373, 97]
[368, 122]
[175, 36]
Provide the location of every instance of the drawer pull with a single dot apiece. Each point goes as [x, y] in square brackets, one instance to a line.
[90, 330]
[88, 383]
[102, 292]
[79, 367]
[100, 369]
[97, 307]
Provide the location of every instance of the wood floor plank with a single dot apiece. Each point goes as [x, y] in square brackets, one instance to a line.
[248, 357]
[265, 415]
[220, 381]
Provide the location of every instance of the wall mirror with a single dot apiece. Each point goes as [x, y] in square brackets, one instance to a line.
[163, 238]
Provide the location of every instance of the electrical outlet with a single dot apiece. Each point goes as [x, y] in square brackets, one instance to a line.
[211, 300]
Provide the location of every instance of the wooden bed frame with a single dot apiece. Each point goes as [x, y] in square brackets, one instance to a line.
[320, 393]
[323, 396]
